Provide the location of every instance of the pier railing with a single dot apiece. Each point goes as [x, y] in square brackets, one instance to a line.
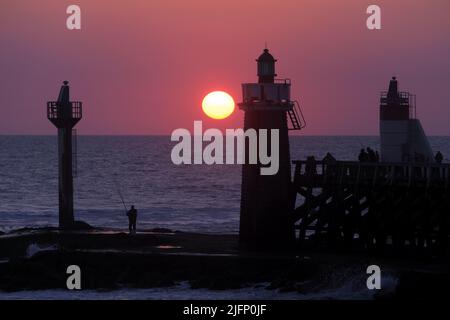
[321, 173]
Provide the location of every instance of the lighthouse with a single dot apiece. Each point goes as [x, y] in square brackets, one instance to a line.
[65, 114]
[402, 138]
[266, 201]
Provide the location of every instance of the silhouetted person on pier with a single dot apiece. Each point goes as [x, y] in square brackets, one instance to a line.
[310, 167]
[329, 158]
[328, 164]
[377, 156]
[371, 155]
[363, 156]
[438, 157]
[418, 157]
[132, 217]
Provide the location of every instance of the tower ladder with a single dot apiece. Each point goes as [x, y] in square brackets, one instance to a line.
[297, 119]
[74, 153]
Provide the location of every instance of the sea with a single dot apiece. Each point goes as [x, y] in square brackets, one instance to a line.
[139, 170]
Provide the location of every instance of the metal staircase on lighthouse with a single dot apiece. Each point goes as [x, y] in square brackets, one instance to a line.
[296, 116]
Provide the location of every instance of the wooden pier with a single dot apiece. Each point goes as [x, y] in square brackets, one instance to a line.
[372, 205]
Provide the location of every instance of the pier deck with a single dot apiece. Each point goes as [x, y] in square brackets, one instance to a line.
[372, 204]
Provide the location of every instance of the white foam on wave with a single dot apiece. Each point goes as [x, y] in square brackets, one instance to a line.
[35, 248]
[352, 289]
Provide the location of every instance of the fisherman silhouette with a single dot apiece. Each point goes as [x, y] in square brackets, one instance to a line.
[438, 157]
[132, 217]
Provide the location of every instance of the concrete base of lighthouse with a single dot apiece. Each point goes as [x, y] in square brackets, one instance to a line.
[266, 200]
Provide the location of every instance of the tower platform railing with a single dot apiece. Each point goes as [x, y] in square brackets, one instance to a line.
[283, 81]
[269, 105]
[405, 99]
[56, 111]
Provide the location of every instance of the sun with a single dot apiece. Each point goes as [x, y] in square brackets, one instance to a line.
[218, 105]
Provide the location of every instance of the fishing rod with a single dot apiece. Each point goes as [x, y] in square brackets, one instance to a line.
[120, 195]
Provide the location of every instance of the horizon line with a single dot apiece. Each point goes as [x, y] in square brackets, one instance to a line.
[168, 135]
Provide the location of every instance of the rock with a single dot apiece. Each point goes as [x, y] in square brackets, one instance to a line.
[422, 285]
[81, 225]
[135, 262]
[33, 230]
[276, 284]
[201, 282]
[224, 283]
[161, 230]
[289, 287]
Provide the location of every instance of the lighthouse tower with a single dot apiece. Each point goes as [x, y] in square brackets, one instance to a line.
[401, 134]
[266, 201]
[65, 114]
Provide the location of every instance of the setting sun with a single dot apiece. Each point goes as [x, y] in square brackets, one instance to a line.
[218, 105]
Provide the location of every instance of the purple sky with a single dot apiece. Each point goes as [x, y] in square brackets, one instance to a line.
[143, 67]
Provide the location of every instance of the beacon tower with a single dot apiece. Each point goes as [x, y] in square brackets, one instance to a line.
[401, 134]
[65, 114]
[266, 201]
